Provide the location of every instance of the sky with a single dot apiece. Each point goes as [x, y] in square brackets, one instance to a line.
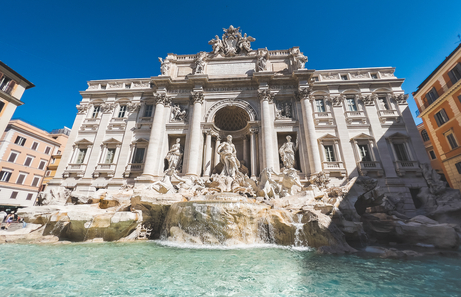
[60, 45]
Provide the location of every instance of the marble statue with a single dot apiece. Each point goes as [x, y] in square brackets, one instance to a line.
[290, 178]
[261, 61]
[177, 114]
[229, 158]
[191, 185]
[200, 63]
[244, 43]
[299, 58]
[217, 45]
[164, 66]
[163, 186]
[287, 153]
[174, 156]
[268, 187]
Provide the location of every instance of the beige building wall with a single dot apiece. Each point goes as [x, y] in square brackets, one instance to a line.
[12, 87]
[25, 152]
[61, 136]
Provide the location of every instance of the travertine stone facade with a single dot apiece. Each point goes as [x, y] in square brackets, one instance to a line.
[346, 122]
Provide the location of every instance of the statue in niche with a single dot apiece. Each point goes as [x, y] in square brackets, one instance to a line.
[287, 153]
[200, 63]
[174, 156]
[217, 45]
[261, 61]
[164, 66]
[283, 110]
[229, 158]
[178, 114]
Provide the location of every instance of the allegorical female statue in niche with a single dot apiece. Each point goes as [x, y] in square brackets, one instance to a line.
[287, 153]
[174, 156]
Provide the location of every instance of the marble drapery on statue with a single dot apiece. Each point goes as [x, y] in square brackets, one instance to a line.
[174, 156]
[229, 159]
[287, 153]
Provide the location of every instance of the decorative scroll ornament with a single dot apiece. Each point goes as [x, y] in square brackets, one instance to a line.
[197, 97]
[303, 93]
[199, 67]
[133, 107]
[108, 107]
[368, 100]
[162, 98]
[401, 99]
[82, 108]
[266, 95]
[335, 100]
[178, 114]
[164, 66]
[232, 43]
[299, 60]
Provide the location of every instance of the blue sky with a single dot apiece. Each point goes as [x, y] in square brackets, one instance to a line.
[60, 45]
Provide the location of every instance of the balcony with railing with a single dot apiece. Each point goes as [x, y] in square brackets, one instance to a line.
[104, 168]
[357, 117]
[402, 167]
[334, 167]
[323, 118]
[77, 169]
[134, 168]
[366, 167]
[390, 116]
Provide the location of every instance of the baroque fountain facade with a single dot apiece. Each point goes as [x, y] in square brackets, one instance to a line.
[245, 146]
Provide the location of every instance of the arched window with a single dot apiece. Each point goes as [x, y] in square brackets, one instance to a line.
[424, 135]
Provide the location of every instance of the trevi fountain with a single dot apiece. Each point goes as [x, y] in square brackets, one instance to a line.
[247, 175]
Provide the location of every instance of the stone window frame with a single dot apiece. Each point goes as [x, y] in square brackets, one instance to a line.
[451, 139]
[122, 106]
[138, 143]
[399, 138]
[110, 144]
[369, 141]
[333, 141]
[95, 108]
[79, 145]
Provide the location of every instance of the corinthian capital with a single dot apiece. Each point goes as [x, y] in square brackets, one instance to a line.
[162, 98]
[265, 95]
[132, 107]
[83, 108]
[197, 97]
[401, 99]
[304, 93]
[107, 107]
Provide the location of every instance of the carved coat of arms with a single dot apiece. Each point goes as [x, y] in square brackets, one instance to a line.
[232, 43]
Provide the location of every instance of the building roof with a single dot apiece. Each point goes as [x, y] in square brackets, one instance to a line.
[29, 84]
[438, 68]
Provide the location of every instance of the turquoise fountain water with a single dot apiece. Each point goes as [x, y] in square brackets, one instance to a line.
[154, 269]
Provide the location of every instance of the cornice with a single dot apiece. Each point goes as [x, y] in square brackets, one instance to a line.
[10, 98]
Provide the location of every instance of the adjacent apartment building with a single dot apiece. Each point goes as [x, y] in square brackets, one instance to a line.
[61, 136]
[12, 87]
[435, 162]
[25, 152]
[439, 102]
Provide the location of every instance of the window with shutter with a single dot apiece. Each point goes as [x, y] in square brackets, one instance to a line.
[12, 157]
[42, 165]
[364, 152]
[35, 181]
[329, 153]
[5, 175]
[401, 152]
[138, 155]
[29, 196]
[14, 195]
[452, 141]
[122, 111]
[458, 167]
[455, 73]
[148, 110]
[424, 135]
[441, 117]
[20, 141]
[110, 156]
[432, 95]
[81, 156]
[47, 150]
[28, 161]
[21, 179]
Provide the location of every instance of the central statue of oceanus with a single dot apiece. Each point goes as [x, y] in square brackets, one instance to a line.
[228, 155]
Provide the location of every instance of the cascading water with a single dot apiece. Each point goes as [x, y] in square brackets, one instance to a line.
[298, 242]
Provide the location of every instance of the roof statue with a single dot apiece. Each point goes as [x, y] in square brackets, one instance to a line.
[232, 43]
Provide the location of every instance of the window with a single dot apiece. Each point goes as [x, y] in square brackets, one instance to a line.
[458, 167]
[14, 195]
[364, 152]
[7, 84]
[5, 175]
[35, 181]
[29, 196]
[103, 87]
[148, 110]
[81, 156]
[374, 76]
[432, 95]
[401, 152]
[47, 150]
[28, 161]
[21, 178]
[350, 103]
[316, 78]
[20, 141]
[122, 111]
[34, 146]
[455, 73]
[96, 110]
[12, 157]
[329, 153]
[58, 153]
[48, 173]
[441, 117]
[2, 104]
[319, 105]
[344, 77]
[127, 85]
[424, 135]
[110, 156]
[432, 154]
[138, 155]
[42, 164]
[452, 141]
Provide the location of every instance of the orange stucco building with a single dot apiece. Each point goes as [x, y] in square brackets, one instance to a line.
[439, 102]
[25, 152]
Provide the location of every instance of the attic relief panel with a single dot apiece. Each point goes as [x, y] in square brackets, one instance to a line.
[283, 110]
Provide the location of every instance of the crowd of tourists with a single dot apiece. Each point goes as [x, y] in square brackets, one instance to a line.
[7, 219]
